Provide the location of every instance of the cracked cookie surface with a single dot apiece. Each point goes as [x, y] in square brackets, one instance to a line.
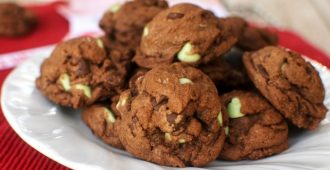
[290, 84]
[185, 33]
[79, 72]
[171, 117]
[126, 24]
[259, 132]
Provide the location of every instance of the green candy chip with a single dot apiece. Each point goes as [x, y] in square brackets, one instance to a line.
[182, 141]
[145, 31]
[168, 137]
[65, 81]
[227, 130]
[114, 8]
[186, 55]
[85, 89]
[185, 81]
[99, 43]
[110, 116]
[234, 108]
[220, 119]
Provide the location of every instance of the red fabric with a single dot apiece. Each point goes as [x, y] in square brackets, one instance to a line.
[296, 43]
[14, 152]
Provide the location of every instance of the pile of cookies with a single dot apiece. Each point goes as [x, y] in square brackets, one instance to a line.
[179, 87]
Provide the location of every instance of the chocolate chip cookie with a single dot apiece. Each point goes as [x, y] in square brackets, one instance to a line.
[250, 38]
[15, 20]
[290, 84]
[103, 119]
[256, 130]
[125, 23]
[173, 117]
[185, 33]
[80, 72]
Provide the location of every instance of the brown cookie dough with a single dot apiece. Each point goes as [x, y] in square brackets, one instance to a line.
[250, 38]
[15, 20]
[225, 76]
[185, 33]
[79, 72]
[137, 75]
[103, 120]
[172, 118]
[115, 46]
[119, 54]
[125, 23]
[256, 130]
[290, 84]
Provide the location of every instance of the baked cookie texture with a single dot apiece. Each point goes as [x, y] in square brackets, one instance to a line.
[256, 130]
[103, 119]
[226, 76]
[290, 84]
[173, 117]
[185, 33]
[125, 23]
[79, 72]
[15, 20]
[249, 38]
[116, 47]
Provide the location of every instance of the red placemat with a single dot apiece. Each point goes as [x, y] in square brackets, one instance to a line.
[14, 152]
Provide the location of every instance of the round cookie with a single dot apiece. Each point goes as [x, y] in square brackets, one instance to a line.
[103, 120]
[250, 38]
[290, 84]
[256, 130]
[172, 118]
[125, 23]
[15, 20]
[185, 33]
[79, 72]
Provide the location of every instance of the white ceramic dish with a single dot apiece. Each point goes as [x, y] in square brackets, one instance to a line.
[60, 134]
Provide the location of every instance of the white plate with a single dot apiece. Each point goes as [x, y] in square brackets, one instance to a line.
[60, 134]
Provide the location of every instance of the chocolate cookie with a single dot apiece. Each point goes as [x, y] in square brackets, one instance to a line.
[79, 72]
[290, 84]
[115, 46]
[225, 76]
[185, 33]
[173, 117]
[250, 38]
[137, 74]
[125, 23]
[256, 130]
[15, 20]
[119, 54]
[103, 119]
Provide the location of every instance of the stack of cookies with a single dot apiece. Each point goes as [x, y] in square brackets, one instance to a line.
[179, 87]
